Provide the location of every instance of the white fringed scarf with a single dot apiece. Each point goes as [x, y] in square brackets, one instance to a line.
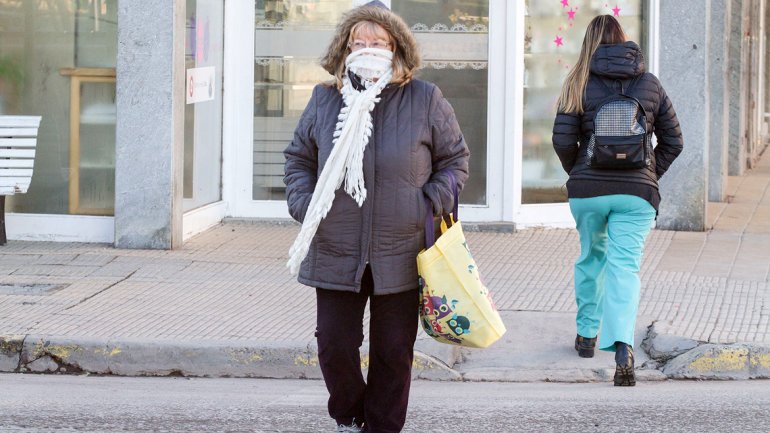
[351, 135]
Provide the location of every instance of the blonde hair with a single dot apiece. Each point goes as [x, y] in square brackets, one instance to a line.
[604, 29]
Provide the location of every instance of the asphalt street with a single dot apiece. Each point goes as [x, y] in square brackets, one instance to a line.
[51, 403]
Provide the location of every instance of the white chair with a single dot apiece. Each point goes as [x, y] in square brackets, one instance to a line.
[18, 139]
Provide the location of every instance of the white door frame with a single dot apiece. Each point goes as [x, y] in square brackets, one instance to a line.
[238, 117]
[494, 210]
[504, 122]
[204, 217]
[523, 215]
[60, 228]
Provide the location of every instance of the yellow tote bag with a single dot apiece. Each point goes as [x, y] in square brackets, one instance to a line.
[455, 306]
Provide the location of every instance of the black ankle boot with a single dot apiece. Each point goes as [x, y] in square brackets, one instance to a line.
[624, 370]
[585, 346]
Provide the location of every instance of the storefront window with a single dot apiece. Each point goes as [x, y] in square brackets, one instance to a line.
[289, 41]
[204, 56]
[460, 71]
[766, 78]
[57, 60]
[554, 33]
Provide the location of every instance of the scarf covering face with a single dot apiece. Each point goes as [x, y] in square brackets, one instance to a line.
[351, 135]
[370, 64]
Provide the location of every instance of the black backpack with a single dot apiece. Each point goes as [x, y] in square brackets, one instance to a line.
[620, 139]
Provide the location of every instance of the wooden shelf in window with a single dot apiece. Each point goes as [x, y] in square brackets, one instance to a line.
[78, 76]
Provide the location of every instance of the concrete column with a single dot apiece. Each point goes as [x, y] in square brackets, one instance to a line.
[684, 68]
[150, 128]
[719, 97]
[737, 84]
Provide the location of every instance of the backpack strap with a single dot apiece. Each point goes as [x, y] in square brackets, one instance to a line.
[610, 93]
[633, 83]
[604, 85]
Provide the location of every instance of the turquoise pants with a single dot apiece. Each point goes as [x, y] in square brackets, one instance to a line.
[612, 231]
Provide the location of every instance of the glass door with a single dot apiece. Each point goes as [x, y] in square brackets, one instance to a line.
[204, 51]
[58, 61]
[461, 72]
[291, 36]
[550, 38]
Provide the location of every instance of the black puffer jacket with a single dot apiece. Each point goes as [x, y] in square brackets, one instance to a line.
[617, 66]
[415, 147]
[415, 143]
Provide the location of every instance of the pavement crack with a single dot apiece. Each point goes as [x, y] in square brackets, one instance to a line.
[21, 352]
[87, 298]
[714, 327]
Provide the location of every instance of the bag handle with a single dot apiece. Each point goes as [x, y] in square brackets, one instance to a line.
[430, 236]
[611, 91]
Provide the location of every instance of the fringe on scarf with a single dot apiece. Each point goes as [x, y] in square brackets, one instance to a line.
[345, 163]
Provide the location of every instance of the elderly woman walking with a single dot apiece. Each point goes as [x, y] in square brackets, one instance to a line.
[374, 151]
[609, 102]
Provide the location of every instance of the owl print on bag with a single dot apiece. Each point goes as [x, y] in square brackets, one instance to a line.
[459, 325]
[440, 319]
[435, 306]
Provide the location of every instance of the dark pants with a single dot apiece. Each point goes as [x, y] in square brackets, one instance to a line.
[381, 401]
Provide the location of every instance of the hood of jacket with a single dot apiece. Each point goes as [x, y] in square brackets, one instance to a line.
[374, 12]
[618, 61]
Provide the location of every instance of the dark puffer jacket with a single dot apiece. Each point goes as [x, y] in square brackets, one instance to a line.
[617, 66]
[415, 142]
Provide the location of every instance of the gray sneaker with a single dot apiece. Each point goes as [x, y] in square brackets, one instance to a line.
[352, 428]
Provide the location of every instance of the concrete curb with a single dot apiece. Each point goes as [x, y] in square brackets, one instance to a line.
[433, 361]
[248, 359]
[10, 352]
[45, 354]
[662, 345]
[722, 362]
[683, 358]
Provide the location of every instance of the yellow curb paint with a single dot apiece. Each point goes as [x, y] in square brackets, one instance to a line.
[11, 343]
[111, 353]
[416, 363]
[243, 357]
[423, 363]
[724, 359]
[303, 360]
[760, 360]
[59, 351]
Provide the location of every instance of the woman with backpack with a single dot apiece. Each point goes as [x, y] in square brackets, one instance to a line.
[608, 109]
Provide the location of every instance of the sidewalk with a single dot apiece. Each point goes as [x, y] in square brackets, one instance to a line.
[225, 305]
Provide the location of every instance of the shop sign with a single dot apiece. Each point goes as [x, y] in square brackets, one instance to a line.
[200, 84]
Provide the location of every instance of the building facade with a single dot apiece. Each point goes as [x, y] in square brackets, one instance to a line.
[162, 118]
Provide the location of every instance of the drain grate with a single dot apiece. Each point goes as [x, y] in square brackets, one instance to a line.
[30, 289]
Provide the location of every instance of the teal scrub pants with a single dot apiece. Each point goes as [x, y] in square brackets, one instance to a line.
[612, 231]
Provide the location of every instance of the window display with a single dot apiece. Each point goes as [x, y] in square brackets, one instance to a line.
[553, 37]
